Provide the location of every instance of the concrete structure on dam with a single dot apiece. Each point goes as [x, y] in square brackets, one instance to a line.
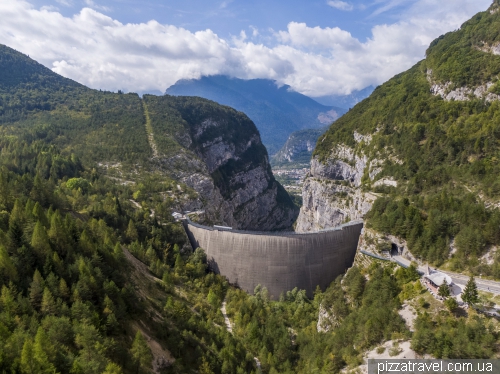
[279, 261]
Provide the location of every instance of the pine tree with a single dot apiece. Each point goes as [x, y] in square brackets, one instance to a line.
[141, 352]
[36, 290]
[205, 367]
[39, 215]
[15, 235]
[28, 209]
[17, 212]
[131, 232]
[48, 306]
[179, 264]
[28, 363]
[63, 289]
[112, 368]
[470, 294]
[118, 253]
[8, 300]
[44, 352]
[8, 270]
[39, 192]
[85, 243]
[444, 289]
[40, 239]
[58, 233]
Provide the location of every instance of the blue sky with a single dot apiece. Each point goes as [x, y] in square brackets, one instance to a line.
[318, 47]
[227, 18]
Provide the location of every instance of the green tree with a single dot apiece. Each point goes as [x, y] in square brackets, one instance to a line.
[78, 184]
[44, 352]
[444, 289]
[36, 289]
[8, 300]
[141, 353]
[451, 304]
[91, 357]
[28, 363]
[40, 239]
[58, 233]
[213, 299]
[112, 368]
[470, 294]
[8, 271]
[39, 215]
[63, 289]
[179, 264]
[131, 232]
[205, 367]
[48, 305]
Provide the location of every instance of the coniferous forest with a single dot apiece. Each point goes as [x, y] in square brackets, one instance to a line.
[97, 277]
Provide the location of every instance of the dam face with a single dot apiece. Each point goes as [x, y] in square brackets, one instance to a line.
[279, 261]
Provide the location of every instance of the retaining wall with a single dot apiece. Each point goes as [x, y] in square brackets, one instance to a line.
[278, 261]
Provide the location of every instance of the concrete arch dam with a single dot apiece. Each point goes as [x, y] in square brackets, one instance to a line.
[278, 261]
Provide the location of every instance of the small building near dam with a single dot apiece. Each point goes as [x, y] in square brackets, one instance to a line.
[279, 261]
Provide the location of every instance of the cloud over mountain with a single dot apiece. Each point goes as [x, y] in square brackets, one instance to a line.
[101, 52]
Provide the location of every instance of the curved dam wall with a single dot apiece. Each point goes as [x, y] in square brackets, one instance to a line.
[278, 261]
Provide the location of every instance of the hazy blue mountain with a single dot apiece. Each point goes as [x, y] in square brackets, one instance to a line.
[276, 111]
[345, 101]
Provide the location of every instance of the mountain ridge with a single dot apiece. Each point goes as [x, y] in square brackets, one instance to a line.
[407, 141]
[276, 111]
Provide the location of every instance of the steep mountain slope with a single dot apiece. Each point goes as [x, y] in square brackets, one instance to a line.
[298, 148]
[421, 154]
[276, 111]
[231, 180]
[234, 176]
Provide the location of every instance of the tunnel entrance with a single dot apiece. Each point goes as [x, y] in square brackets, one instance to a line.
[394, 250]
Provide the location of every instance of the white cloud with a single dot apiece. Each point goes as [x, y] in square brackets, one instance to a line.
[342, 5]
[101, 52]
[49, 8]
[93, 5]
[65, 2]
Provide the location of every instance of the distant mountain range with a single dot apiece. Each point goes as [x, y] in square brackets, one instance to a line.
[276, 111]
[345, 101]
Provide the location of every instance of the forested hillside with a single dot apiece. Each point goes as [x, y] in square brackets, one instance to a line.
[96, 277]
[430, 142]
[132, 140]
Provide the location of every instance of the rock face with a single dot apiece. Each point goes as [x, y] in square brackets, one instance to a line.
[298, 148]
[332, 191]
[225, 162]
[448, 93]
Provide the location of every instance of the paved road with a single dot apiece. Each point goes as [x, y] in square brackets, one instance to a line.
[459, 279]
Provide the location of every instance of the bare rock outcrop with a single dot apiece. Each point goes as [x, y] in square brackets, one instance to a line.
[227, 165]
[332, 193]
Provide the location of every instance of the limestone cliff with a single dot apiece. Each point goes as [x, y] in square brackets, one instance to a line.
[298, 147]
[223, 159]
[332, 193]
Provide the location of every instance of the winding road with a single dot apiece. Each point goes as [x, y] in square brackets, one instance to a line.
[459, 279]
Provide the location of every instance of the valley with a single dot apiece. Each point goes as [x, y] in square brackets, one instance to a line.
[314, 248]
